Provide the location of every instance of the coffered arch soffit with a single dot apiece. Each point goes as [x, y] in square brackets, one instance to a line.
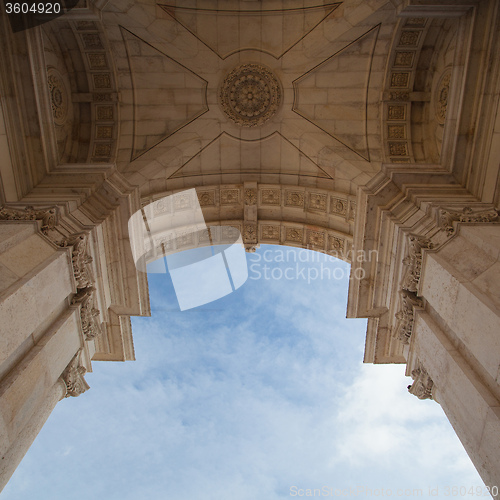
[272, 214]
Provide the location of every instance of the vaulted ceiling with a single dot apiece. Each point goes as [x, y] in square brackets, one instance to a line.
[327, 60]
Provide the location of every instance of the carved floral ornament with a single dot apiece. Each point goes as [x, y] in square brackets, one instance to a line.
[250, 95]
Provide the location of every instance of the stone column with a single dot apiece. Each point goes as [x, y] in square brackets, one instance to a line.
[41, 332]
[14, 454]
[455, 343]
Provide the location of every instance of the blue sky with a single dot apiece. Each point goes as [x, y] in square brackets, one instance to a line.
[260, 395]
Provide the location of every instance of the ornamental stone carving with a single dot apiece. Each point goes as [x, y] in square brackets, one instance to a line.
[47, 216]
[422, 385]
[270, 196]
[404, 327]
[73, 377]
[316, 238]
[81, 259]
[338, 206]
[317, 202]
[441, 98]
[250, 233]
[448, 217]
[206, 198]
[250, 95]
[294, 234]
[336, 244]
[413, 261]
[58, 96]
[250, 196]
[294, 199]
[270, 232]
[89, 314]
[229, 196]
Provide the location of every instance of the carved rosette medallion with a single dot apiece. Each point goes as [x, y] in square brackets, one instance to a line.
[441, 98]
[250, 95]
[58, 96]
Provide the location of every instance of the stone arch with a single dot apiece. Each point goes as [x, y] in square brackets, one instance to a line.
[311, 218]
[422, 59]
[83, 90]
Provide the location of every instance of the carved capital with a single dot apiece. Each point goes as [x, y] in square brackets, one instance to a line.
[422, 384]
[47, 216]
[89, 314]
[73, 377]
[405, 317]
[80, 258]
[413, 261]
[448, 217]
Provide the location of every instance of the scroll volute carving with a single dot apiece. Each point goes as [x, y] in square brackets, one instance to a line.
[423, 385]
[73, 377]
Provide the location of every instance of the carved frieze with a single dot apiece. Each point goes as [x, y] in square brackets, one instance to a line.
[294, 234]
[270, 232]
[229, 196]
[316, 238]
[404, 58]
[336, 244]
[317, 202]
[409, 38]
[338, 206]
[400, 80]
[398, 149]
[294, 199]
[396, 131]
[447, 217]
[270, 197]
[73, 377]
[396, 112]
[206, 198]
[47, 216]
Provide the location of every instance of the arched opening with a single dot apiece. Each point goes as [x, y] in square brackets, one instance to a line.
[261, 394]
